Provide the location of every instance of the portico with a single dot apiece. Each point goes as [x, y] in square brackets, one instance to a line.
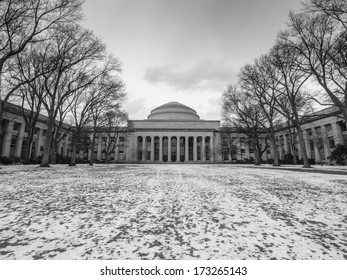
[174, 148]
[173, 133]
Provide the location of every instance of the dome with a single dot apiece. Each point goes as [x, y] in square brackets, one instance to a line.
[173, 111]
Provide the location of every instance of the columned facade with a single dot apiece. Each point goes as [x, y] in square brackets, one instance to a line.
[173, 133]
[175, 148]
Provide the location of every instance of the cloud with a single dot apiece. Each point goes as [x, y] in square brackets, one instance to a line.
[136, 108]
[205, 74]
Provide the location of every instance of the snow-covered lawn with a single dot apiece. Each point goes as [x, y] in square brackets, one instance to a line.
[171, 212]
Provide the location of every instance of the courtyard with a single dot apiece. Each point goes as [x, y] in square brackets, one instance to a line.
[171, 212]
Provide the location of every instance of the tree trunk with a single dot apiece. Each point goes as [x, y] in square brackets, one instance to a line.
[28, 143]
[2, 129]
[257, 159]
[47, 146]
[73, 155]
[303, 148]
[106, 157]
[274, 150]
[295, 162]
[54, 154]
[320, 157]
[91, 161]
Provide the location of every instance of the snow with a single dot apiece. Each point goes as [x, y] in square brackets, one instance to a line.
[171, 212]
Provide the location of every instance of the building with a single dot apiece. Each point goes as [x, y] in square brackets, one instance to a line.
[16, 133]
[174, 133]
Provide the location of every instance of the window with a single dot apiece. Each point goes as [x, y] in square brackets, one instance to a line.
[331, 142]
[44, 132]
[328, 128]
[318, 130]
[13, 146]
[16, 126]
[26, 129]
[342, 125]
[36, 130]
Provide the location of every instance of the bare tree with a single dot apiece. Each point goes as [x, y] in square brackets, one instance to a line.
[75, 53]
[319, 138]
[106, 90]
[291, 100]
[110, 97]
[336, 9]
[26, 22]
[227, 144]
[114, 129]
[318, 34]
[257, 82]
[241, 112]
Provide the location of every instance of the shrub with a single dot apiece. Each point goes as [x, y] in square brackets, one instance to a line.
[339, 155]
[5, 160]
[288, 159]
[16, 160]
[270, 161]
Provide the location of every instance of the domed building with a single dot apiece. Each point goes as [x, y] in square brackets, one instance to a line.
[172, 132]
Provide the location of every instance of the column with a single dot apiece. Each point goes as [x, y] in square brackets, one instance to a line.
[20, 140]
[246, 145]
[203, 148]
[325, 142]
[186, 152]
[152, 148]
[178, 153]
[298, 146]
[285, 140]
[143, 148]
[307, 145]
[7, 139]
[116, 152]
[169, 149]
[337, 133]
[160, 148]
[99, 148]
[195, 146]
[279, 147]
[136, 150]
[212, 149]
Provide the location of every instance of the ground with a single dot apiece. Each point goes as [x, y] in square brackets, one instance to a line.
[171, 212]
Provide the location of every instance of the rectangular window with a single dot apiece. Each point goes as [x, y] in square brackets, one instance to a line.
[328, 128]
[331, 142]
[13, 146]
[44, 132]
[342, 125]
[16, 126]
[318, 130]
[36, 130]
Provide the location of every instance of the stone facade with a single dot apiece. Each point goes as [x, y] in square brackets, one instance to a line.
[174, 133]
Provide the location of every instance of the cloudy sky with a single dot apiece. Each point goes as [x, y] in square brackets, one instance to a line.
[184, 50]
